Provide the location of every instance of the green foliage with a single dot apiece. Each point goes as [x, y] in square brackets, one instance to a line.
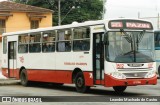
[71, 10]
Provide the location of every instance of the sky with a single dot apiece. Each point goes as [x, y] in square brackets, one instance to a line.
[131, 8]
[147, 9]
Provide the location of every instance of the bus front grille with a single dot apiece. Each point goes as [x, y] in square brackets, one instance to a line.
[135, 75]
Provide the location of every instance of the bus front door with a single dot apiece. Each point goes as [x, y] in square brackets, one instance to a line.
[98, 59]
[12, 59]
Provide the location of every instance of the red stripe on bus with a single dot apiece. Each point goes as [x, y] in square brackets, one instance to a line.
[88, 78]
[50, 76]
[110, 81]
[12, 73]
[5, 72]
[100, 82]
[57, 76]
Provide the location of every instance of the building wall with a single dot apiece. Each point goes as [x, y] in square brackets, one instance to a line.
[46, 22]
[0, 54]
[20, 21]
[17, 22]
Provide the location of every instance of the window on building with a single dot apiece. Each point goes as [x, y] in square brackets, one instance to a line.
[48, 44]
[2, 26]
[64, 40]
[35, 43]
[81, 39]
[34, 24]
[23, 43]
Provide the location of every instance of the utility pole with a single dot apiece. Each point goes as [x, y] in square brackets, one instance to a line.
[59, 12]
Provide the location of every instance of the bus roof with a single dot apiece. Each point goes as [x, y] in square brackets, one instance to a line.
[74, 24]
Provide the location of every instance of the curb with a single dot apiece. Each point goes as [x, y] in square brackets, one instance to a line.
[4, 82]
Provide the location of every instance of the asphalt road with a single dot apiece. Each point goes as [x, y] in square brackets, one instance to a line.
[69, 90]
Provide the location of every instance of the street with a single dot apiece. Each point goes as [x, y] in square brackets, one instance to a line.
[41, 89]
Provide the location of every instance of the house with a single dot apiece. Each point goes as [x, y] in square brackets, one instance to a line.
[18, 17]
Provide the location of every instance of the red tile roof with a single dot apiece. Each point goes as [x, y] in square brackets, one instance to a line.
[12, 6]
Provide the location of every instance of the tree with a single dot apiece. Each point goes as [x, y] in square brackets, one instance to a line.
[71, 10]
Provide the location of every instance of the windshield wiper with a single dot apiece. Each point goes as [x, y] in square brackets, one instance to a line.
[128, 38]
[140, 36]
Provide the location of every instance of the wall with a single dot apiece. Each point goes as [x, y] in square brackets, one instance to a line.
[46, 22]
[20, 21]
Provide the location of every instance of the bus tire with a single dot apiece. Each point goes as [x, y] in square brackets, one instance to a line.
[24, 78]
[80, 83]
[119, 89]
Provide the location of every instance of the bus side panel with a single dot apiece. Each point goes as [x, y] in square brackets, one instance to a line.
[88, 78]
[57, 76]
[5, 72]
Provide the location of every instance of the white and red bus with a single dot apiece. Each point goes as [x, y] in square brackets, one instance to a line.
[114, 53]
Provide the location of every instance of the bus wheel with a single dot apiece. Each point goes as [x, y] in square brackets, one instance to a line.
[24, 78]
[80, 83]
[119, 89]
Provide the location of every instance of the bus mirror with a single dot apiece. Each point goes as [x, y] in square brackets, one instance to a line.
[105, 39]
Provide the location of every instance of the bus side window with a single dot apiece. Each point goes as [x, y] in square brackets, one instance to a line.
[23, 43]
[64, 41]
[4, 45]
[48, 44]
[35, 43]
[81, 40]
[157, 39]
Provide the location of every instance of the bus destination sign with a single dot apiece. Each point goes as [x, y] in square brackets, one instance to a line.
[130, 24]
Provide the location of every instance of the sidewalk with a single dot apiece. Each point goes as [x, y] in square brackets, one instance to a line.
[6, 81]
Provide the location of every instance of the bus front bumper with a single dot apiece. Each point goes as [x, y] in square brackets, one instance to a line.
[110, 81]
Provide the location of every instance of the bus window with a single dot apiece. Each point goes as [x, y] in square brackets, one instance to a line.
[4, 45]
[81, 41]
[35, 43]
[48, 44]
[23, 43]
[64, 41]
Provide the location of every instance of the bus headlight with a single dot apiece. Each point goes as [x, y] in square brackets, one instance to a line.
[150, 74]
[118, 75]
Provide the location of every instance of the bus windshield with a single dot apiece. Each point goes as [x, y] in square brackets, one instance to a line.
[130, 47]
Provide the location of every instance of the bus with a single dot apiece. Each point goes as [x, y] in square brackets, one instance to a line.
[157, 50]
[113, 53]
